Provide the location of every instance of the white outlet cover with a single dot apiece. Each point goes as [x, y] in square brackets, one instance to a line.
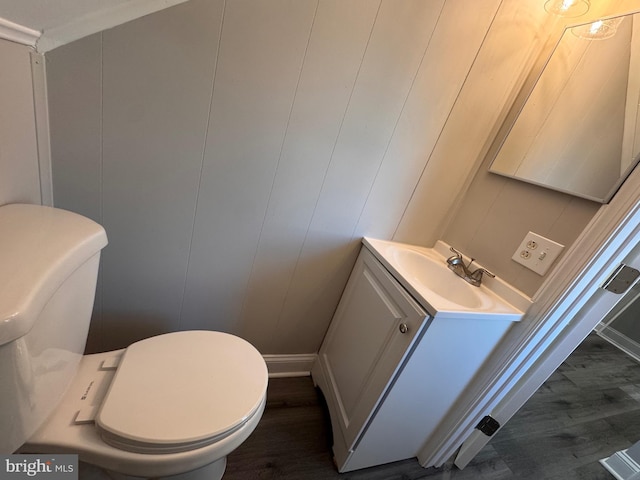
[537, 253]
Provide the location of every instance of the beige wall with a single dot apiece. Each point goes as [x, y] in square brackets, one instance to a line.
[488, 216]
[19, 173]
[236, 152]
[498, 212]
[495, 213]
[236, 163]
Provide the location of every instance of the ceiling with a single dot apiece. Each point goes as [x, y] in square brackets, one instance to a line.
[46, 24]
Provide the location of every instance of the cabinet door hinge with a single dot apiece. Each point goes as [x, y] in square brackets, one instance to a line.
[488, 425]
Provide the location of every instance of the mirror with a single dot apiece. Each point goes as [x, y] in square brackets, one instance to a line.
[578, 129]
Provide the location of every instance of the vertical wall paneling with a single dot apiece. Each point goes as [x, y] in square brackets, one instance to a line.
[516, 34]
[157, 83]
[262, 49]
[338, 40]
[498, 208]
[452, 50]
[74, 91]
[496, 212]
[41, 114]
[396, 47]
[19, 178]
[74, 85]
[236, 150]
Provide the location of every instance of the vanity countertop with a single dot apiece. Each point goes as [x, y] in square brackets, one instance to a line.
[423, 272]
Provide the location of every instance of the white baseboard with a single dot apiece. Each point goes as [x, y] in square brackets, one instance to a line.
[294, 365]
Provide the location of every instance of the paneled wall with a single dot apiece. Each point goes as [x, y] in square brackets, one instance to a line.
[237, 151]
[19, 173]
[481, 214]
[496, 214]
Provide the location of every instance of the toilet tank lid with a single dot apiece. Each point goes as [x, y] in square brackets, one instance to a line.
[39, 248]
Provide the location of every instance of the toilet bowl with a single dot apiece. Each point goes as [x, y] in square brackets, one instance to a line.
[174, 405]
[164, 406]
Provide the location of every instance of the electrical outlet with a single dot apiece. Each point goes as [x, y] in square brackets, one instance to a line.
[537, 253]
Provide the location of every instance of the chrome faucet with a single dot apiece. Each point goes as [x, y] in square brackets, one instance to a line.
[457, 266]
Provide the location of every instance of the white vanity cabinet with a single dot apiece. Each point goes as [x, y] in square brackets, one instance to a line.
[390, 368]
[370, 335]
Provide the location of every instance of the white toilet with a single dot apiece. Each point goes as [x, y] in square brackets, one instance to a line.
[174, 405]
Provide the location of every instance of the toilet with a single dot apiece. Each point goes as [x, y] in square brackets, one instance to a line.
[173, 405]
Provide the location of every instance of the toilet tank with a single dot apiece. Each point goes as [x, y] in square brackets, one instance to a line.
[48, 270]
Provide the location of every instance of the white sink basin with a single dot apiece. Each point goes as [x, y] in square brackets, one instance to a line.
[433, 275]
[425, 275]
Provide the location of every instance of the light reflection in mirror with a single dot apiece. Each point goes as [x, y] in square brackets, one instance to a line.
[577, 131]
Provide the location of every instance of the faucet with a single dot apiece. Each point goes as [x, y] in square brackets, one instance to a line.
[457, 266]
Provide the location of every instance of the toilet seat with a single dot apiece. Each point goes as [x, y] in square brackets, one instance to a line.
[181, 391]
[67, 431]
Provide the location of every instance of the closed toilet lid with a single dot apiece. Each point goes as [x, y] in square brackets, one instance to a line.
[182, 390]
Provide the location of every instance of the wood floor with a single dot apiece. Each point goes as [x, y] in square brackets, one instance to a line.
[588, 409]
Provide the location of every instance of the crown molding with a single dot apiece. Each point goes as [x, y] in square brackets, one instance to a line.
[19, 34]
[81, 24]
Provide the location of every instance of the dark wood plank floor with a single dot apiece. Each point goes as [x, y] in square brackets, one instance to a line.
[588, 409]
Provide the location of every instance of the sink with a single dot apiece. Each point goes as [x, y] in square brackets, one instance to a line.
[435, 276]
[425, 275]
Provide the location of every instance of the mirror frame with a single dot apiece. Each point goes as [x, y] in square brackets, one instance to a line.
[519, 98]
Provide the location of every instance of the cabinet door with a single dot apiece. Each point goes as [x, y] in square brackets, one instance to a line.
[373, 329]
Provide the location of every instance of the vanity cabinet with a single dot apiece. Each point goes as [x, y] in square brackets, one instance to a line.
[390, 370]
[371, 333]
[372, 330]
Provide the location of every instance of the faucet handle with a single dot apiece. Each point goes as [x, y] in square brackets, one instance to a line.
[455, 259]
[486, 272]
[475, 278]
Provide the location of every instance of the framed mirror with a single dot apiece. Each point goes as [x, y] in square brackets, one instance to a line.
[578, 131]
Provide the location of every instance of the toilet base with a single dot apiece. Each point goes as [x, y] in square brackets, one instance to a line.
[212, 471]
